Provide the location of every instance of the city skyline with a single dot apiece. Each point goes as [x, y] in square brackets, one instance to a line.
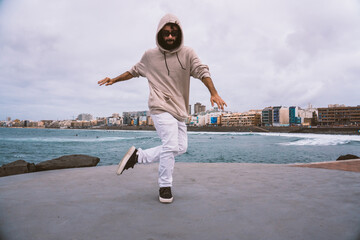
[283, 53]
[277, 116]
[87, 115]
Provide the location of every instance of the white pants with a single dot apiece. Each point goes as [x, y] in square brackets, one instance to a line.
[173, 137]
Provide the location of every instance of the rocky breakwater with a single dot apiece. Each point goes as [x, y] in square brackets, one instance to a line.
[68, 161]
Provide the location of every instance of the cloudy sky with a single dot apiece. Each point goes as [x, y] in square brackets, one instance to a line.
[260, 53]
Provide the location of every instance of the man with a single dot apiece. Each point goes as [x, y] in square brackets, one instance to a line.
[168, 69]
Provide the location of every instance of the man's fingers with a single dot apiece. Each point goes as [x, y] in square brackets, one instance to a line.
[101, 82]
[219, 102]
[105, 80]
[221, 105]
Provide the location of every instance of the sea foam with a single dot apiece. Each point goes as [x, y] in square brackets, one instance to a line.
[320, 140]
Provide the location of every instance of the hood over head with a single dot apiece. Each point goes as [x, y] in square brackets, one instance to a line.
[169, 18]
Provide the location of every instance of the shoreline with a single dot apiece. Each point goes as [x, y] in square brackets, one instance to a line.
[294, 129]
[290, 129]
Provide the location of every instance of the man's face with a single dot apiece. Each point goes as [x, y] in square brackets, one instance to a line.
[170, 34]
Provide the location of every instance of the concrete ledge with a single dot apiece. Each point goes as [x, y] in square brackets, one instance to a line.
[212, 201]
[344, 165]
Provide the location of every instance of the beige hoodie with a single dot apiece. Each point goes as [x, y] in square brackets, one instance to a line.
[168, 74]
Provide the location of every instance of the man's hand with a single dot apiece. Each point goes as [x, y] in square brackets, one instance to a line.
[107, 81]
[218, 100]
[215, 98]
[110, 81]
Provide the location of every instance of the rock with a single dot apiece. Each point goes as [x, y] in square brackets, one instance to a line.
[32, 167]
[2, 172]
[16, 167]
[68, 161]
[347, 157]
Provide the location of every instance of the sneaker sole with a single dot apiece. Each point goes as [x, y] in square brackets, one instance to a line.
[124, 160]
[166, 200]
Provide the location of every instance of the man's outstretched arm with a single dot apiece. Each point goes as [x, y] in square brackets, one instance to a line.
[215, 98]
[109, 81]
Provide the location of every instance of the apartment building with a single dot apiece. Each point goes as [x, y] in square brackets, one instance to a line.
[280, 116]
[230, 119]
[267, 116]
[114, 121]
[294, 118]
[251, 118]
[80, 124]
[205, 118]
[198, 108]
[149, 121]
[197, 120]
[339, 116]
[142, 121]
[132, 118]
[308, 116]
[85, 117]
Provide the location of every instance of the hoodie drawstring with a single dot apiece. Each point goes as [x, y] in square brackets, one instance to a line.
[167, 67]
[166, 64]
[179, 61]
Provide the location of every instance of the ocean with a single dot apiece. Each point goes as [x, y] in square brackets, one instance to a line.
[36, 145]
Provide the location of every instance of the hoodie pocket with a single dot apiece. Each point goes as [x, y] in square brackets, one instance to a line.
[164, 101]
[157, 98]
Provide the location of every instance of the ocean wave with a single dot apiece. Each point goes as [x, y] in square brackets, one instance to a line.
[316, 142]
[320, 140]
[296, 139]
[223, 133]
[145, 137]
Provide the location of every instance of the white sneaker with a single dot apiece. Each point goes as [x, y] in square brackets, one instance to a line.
[128, 161]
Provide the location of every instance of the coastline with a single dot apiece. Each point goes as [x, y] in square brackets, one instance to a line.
[292, 129]
[242, 145]
[289, 129]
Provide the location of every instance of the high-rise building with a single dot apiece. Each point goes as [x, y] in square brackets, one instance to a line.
[267, 116]
[85, 117]
[198, 108]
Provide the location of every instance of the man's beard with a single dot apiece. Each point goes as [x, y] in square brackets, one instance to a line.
[169, 44]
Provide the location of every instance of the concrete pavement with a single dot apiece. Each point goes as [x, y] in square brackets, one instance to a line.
[211, 201]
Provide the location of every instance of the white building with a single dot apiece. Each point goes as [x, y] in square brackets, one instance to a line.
[280, 116]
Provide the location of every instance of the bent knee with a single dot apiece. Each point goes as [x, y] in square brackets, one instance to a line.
[171, 148]
[182, 149]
